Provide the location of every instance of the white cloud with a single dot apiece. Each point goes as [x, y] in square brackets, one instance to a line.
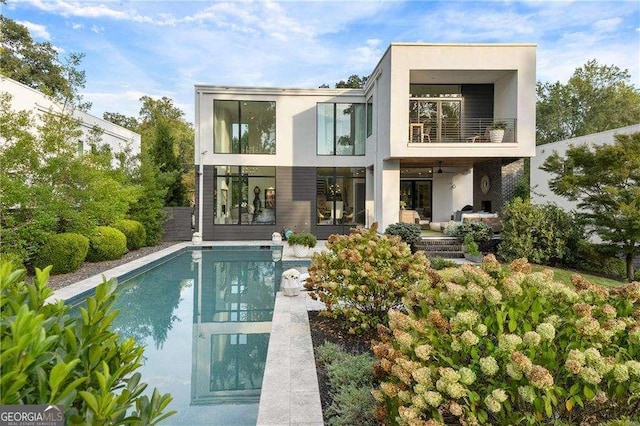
[607, 25]
[165, 47]
[36, 30]
[88, 10]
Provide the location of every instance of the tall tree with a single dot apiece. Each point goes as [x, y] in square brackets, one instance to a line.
[156, 111]
[37, 65]
[605, 181]
[353, 82]
[122, 120]
[596, 98]
[168, 162]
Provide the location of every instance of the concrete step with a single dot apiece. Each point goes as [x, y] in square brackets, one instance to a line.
[448, 248]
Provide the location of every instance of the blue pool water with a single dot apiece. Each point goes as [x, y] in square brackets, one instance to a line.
[204, 318]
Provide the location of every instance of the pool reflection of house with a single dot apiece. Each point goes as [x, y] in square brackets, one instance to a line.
[422, 131]
[233, 307]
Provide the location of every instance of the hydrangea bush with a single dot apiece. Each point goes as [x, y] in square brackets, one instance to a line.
[362, 275]
[496, 345]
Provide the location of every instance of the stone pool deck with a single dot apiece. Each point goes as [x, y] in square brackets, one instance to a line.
[290, 393]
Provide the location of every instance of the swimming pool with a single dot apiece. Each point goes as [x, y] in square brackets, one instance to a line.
[204, 317]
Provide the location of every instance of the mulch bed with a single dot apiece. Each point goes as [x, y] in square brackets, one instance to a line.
[326, 329]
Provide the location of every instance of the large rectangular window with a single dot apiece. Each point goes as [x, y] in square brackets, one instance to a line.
[341, 129]
[244, 127]
[340, 195]
[244, 195]
[369, 117]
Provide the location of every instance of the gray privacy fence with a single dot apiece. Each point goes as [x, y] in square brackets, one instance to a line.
[178, 224]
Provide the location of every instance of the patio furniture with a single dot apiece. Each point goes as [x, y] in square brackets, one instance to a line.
[419, 133]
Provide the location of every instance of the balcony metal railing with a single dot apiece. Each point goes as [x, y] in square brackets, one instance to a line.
[476, 130]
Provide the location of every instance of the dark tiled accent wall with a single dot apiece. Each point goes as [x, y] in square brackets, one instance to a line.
[493, 170]
[504, 178]
[511, 174]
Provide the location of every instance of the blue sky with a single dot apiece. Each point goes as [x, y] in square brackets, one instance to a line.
[163, 48]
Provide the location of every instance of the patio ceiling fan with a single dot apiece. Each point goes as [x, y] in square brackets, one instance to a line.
[442, 171]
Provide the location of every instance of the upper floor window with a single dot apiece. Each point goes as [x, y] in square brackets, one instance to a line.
[244, 127]
[341, 129]
[369, 117]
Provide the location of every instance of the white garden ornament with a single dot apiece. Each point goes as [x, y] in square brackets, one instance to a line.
[290, 283]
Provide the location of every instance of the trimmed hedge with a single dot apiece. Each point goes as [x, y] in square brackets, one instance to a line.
[409, 232]
[134, 231]
[106, 243]
[66, 252]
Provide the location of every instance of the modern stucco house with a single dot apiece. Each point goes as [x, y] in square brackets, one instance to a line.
[323, 160]
[25, 98]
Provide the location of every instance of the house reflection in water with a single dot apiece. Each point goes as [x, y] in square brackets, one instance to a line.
[233, 305]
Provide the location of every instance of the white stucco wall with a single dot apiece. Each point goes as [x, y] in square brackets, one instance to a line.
[24, 98]
[510, 67]
[541, 193]
[295, 125]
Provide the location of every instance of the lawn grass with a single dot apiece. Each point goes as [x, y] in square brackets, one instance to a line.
[564, 276]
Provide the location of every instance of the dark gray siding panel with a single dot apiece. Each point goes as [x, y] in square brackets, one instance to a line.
[177, 224]
[478, 101]
[207, 201]
[296, 198]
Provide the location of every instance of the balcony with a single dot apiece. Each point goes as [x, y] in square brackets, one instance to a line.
[476, 130]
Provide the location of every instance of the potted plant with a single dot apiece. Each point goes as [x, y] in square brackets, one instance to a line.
[301, 243]
[496, 131]
[470, 249]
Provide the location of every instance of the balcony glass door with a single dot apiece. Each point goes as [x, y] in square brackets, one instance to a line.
[435, 120]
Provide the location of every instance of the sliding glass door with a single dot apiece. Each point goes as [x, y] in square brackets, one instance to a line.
[435, 120]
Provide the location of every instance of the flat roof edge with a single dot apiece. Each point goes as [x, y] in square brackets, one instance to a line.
[256, 90]
[464, 44]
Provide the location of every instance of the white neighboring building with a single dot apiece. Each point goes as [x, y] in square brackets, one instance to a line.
[24, 98]
[541, 194]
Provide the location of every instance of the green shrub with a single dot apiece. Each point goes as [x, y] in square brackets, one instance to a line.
[350, 380]
[66, 253]
[471, 246]
[361, 276]
[306, 239]
[438, 263]
[106, 243]
[134, 231]
[543, 234]
[351, 369]
[50, 357]
[479, 231]
[410, 233]
[329, 352]
[352, 405]
[506, 346]
[15, 259]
